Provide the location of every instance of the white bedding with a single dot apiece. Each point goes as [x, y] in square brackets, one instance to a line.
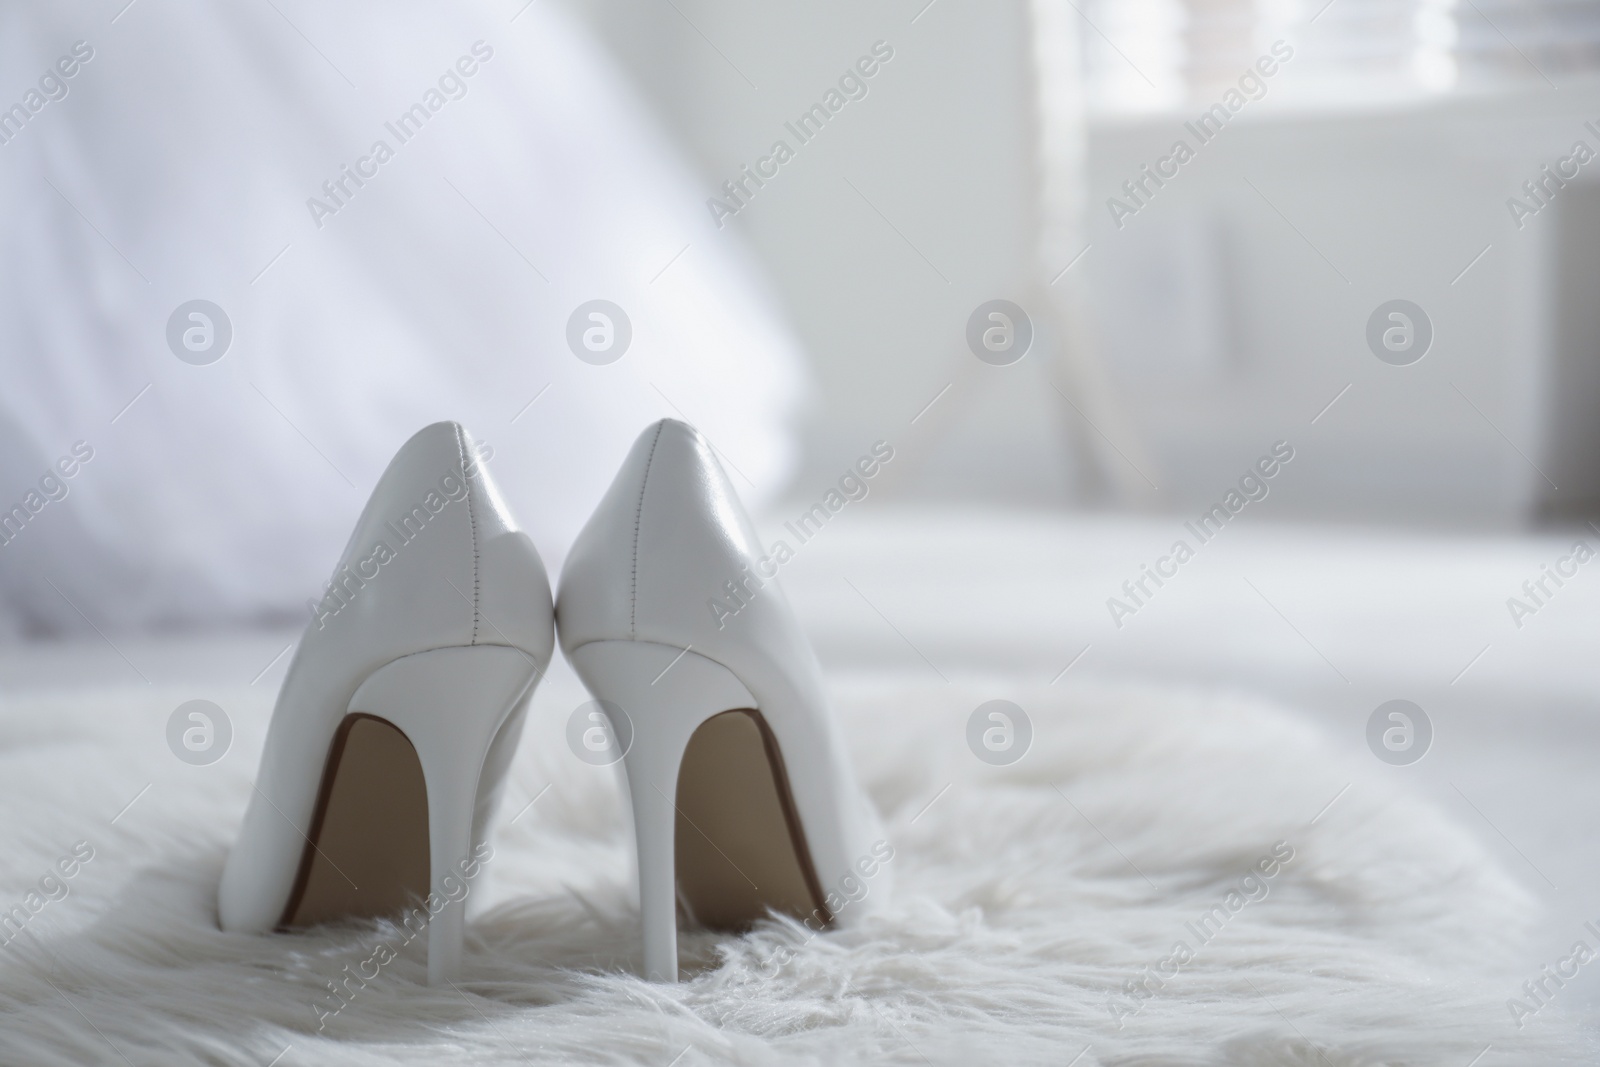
[918, 616]
[1366, 616]
[180, 166]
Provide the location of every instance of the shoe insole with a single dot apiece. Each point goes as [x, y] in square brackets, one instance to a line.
[367, 854]
[739, 847]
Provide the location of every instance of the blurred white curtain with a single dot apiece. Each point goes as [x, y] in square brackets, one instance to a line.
[1113, 461]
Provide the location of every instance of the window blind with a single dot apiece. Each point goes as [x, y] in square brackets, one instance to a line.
[1154, 55]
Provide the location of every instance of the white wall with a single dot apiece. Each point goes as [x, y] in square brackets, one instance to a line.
[1234, 320]
[939, 146]
[1229, 322]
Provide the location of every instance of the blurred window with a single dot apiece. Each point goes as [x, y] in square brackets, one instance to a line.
[1158, 55]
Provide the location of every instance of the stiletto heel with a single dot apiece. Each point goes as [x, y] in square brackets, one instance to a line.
[450, 703]
[402, 705]
[742, 795]
[667, 694]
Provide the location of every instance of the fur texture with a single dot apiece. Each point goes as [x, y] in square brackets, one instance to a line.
[1029, 901]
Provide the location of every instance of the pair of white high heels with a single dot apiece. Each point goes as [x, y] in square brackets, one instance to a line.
[405, 701]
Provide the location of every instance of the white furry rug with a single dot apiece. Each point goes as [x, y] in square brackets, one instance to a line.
[1030, 900]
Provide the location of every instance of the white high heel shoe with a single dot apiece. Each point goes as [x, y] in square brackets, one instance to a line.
[400, 712]
[742, 795]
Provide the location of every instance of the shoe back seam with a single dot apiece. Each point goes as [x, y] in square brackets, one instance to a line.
[638, 518]
[472, 518]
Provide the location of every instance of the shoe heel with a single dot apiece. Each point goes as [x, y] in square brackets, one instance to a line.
[667, 693]
[451, 704]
